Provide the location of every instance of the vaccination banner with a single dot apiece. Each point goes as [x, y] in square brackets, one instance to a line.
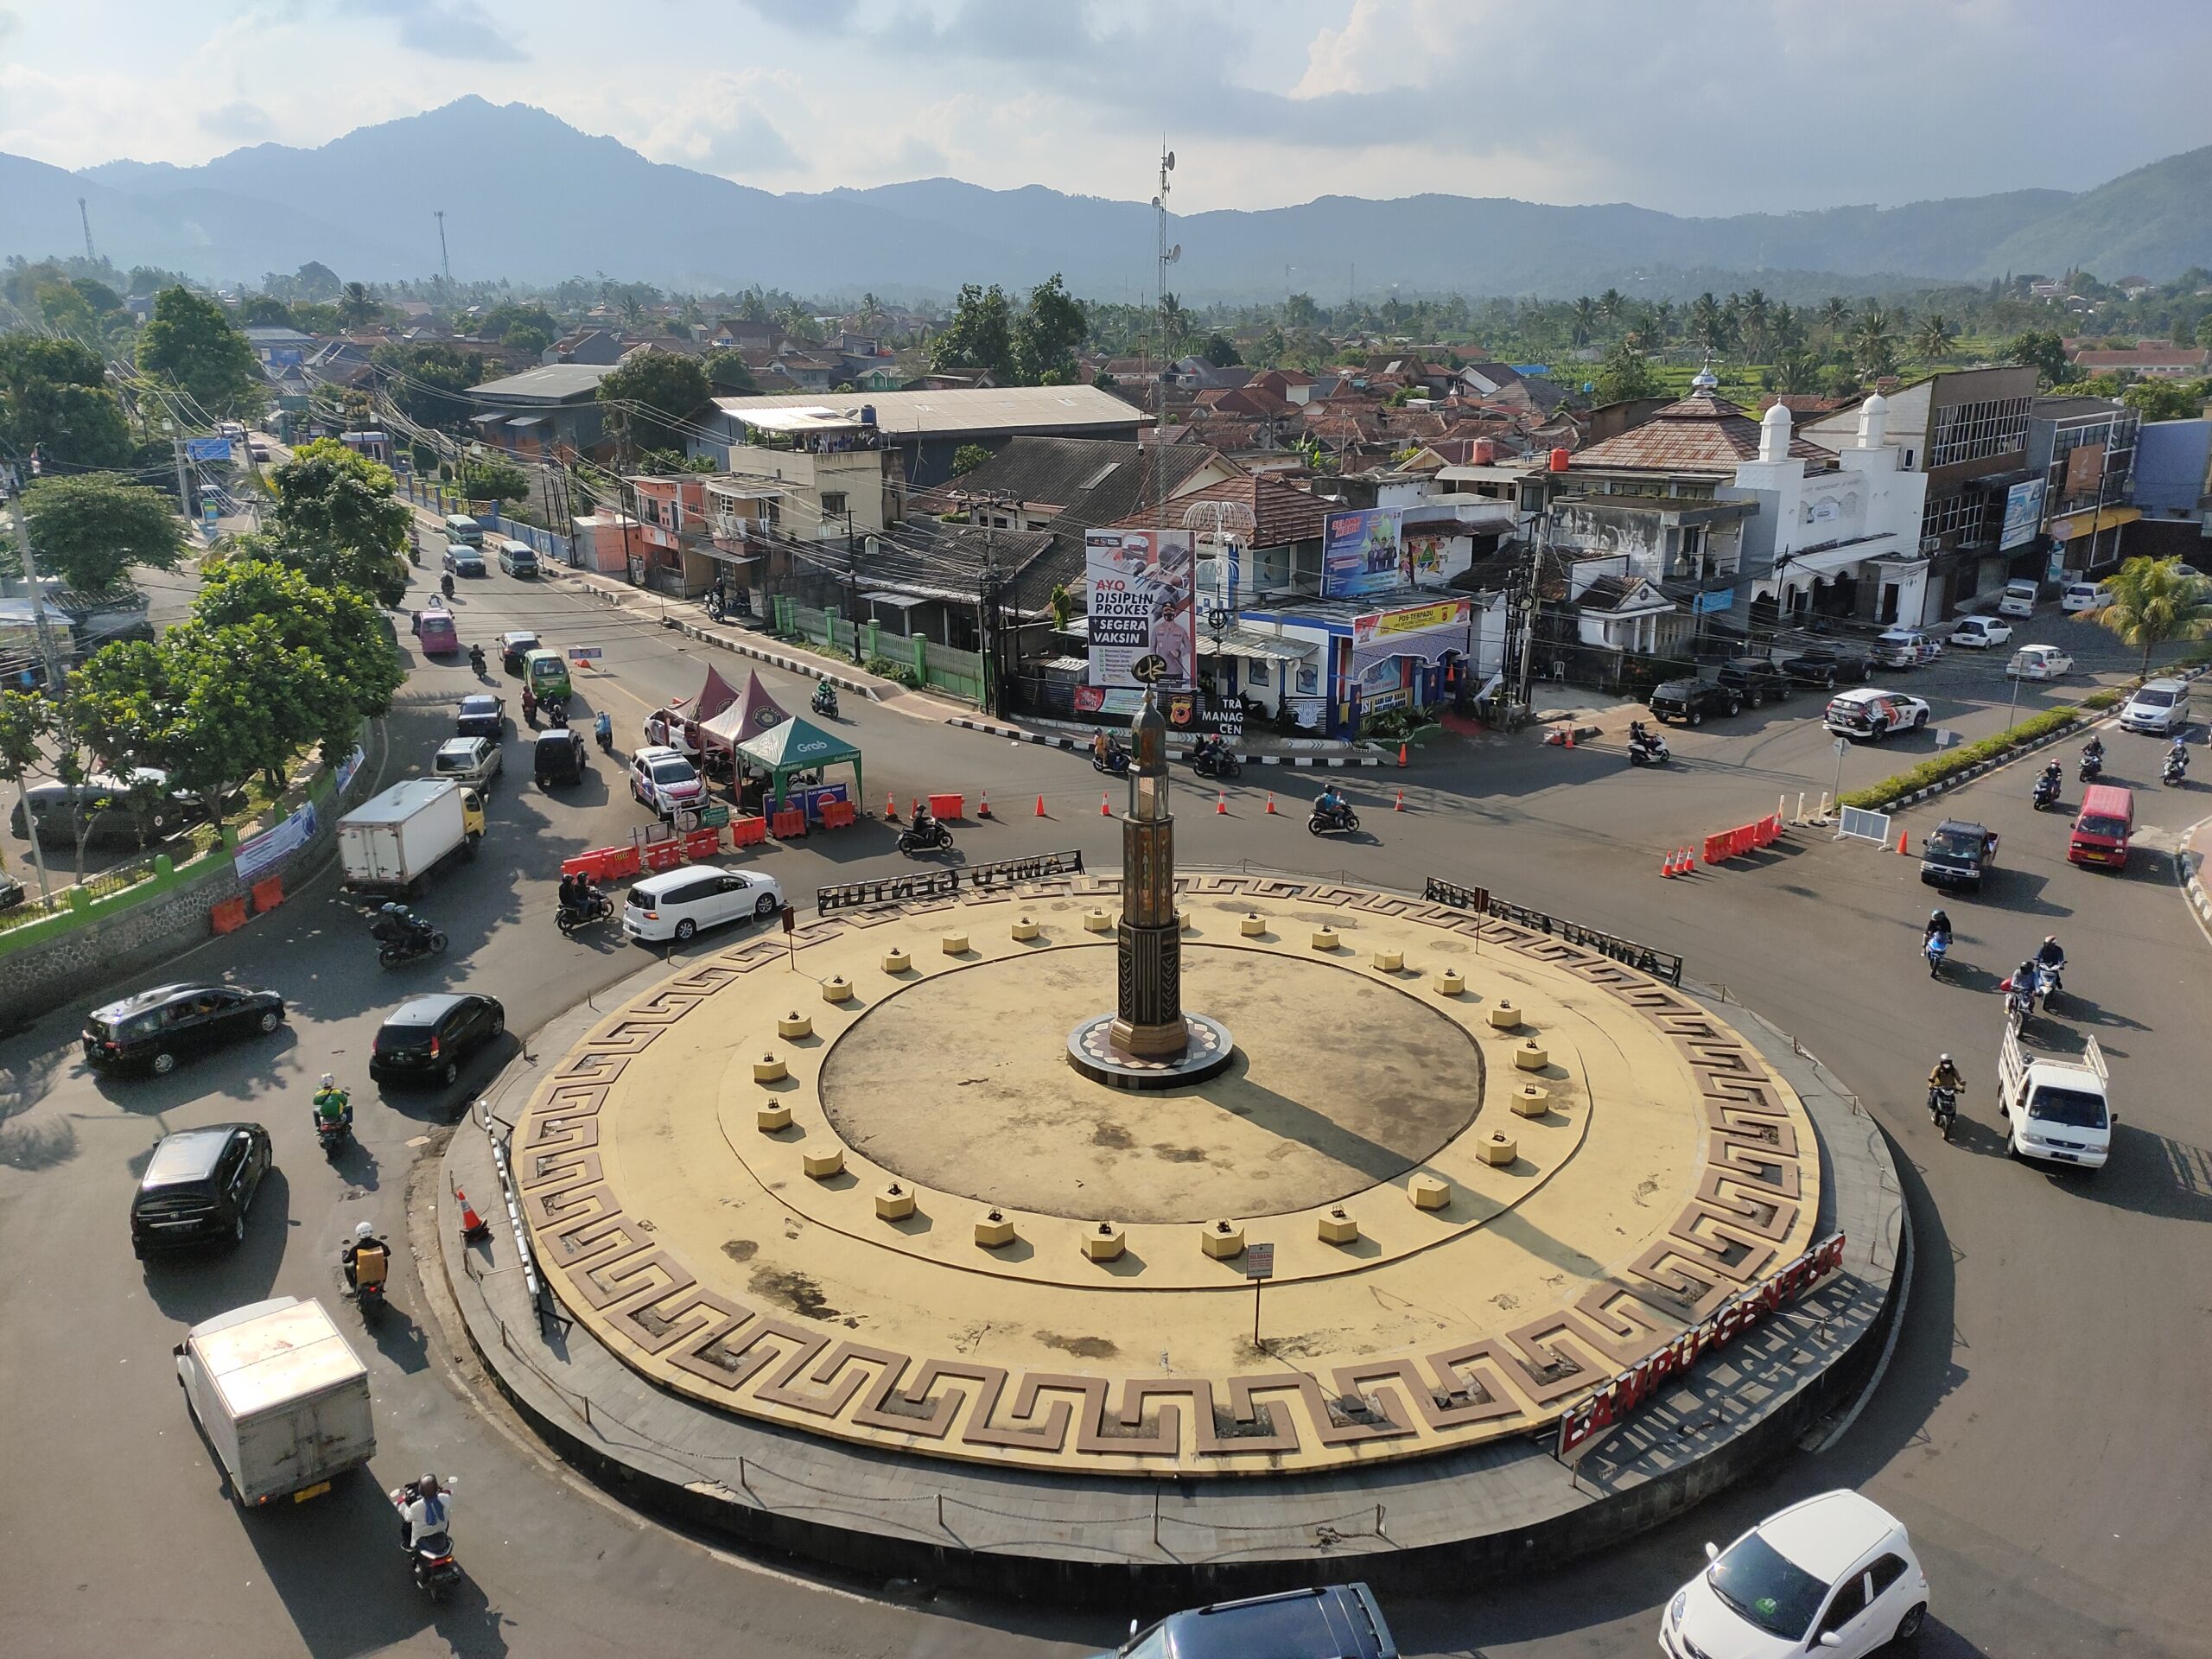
[1359, 552]
[1141, 603]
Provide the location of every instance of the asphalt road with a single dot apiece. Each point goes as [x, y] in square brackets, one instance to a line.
[2043, 1429]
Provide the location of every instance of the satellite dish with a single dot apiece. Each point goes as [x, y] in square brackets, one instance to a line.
[1170, 161]
[1175, 253]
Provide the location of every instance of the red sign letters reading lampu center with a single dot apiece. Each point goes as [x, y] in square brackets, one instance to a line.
[1613, 1401]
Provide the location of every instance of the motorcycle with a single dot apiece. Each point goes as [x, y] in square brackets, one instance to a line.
[1324, 822]
[435, 1570]
[1936, 948]
[716, 611]
[423, 942]
[2050, 980]
[476, 661]
[597, 908]
[1645, 749]
[2175, 770]
[2019, 1004]
[825, 699]
[1116, 763]
[1942, 1108]
[2093, 765]
[445, 584]
[929, 837]
[332, 1135]
[555, 710]
[1216, 763]
[603, 728]
[2046, 791]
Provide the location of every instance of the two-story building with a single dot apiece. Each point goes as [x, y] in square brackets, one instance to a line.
[2082, 453]
[545, 413]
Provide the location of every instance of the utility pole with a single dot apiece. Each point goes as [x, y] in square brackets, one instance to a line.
[48, 651]
[84, 217]
[183, 488]
[445, 259]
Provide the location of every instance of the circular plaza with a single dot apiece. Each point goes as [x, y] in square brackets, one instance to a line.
[1460, 1171]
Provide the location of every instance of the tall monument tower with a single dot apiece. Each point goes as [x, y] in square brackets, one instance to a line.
[1148, 1019]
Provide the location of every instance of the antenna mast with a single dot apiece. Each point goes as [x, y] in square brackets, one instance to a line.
[84, 216]
[445, 260]
[1167, 255]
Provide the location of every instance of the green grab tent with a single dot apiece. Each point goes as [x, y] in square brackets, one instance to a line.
[797, 745]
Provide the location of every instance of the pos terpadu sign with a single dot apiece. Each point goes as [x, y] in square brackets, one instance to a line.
[1609, 1404]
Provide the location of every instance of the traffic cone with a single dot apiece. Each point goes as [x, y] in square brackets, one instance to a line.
[890, 807]
[472, 1226]
[1401, 806]
[1570, 737]
[1040, 806]
[1221, 802]
[1105, 810]
[1271, 803]
[1401, 754]
[1901, 851]
[1666, 864]
[983, 807]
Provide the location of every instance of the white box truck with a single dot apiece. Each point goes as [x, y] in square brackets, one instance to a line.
[281, 1397]
[2055, 1109]
[392, 841]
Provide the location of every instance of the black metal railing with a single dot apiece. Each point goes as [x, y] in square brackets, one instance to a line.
[1660, 965]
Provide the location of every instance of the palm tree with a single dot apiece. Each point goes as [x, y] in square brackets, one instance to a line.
[1756, 317]
[1874, 343]
[1584, 317]
[2153, 604]
[1932, 340]
[1797, 372]
[1660, 323]
[1708, 323]
[356, 307]
[1611, 304]
[1835, 315]
[1785, 328]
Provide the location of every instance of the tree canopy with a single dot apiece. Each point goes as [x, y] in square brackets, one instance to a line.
[429, 384]
[491, 478]
[190, 344]
[1625, 374]
[728, 373]
[54, 398]
[647, 398]
[2153, 604]
[338, 521]
[90, 528]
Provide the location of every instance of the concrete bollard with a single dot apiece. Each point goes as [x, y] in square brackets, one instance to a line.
[795, 1025]
[956, 944]
[1390, 962]
[1324, 938]
[770, 1069]
[1499, 1149]
[822, 1162]
[1429, 1191]
[896, 961]
[1529, 1058]
[1505, 1017]
[1252, 927]
[836, 988]
[1531, 1100]
[1105, 1242]
[771, 1115]
[1026, 928]
[1098, 921]
[1337, 1227]
[1450, 983]
[1223, 1240]
[894, 1201]
[993, 1228]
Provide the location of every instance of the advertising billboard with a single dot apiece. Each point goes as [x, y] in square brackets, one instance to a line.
[2023, 514]
[1359, 552]
[1141, 603]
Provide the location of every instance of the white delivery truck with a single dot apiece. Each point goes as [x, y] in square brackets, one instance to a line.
[281, 1397]
[2054, 1108]
[392, 841]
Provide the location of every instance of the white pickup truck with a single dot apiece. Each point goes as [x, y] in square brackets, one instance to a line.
[2055, 1109]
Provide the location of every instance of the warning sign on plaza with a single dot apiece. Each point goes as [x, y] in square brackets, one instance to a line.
[1140, 603]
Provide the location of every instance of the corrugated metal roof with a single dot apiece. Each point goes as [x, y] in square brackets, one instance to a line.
[989, 409]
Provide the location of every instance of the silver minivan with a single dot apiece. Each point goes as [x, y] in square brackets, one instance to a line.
[459, 527]
[2158, 707]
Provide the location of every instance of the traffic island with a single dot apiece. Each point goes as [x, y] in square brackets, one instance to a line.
[1030, 1403]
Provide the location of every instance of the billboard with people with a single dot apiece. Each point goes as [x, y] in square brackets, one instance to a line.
[1141, 602]
[1359, 552]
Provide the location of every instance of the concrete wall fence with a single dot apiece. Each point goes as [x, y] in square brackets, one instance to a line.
[91, 944]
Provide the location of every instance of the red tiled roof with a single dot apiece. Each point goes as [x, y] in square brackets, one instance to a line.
[1702, 433]
[1280, 512]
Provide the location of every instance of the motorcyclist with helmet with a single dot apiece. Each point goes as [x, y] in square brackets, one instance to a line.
[366, 1259]
[332, 1103]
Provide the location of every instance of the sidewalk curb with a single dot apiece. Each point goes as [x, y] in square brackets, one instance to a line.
[2188, 866]
[1053, 740]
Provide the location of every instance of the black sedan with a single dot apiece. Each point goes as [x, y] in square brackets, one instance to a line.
[152, 1031]
[426, 1038]
[1691, 701]
[482, 715]
[1823, 665]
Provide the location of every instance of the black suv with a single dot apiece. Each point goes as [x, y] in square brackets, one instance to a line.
[1692, 700]
[1823, 665]
[425, 1039]
[198, 1185]
[1756, 677]
[153, 1029]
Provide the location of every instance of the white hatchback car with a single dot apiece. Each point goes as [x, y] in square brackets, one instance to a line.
[1833, 1575]
[1981, 631]
[676, 904]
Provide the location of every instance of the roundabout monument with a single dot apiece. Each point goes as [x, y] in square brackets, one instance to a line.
[1456, 1193]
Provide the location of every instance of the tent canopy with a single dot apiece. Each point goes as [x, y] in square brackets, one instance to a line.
[714, 697]
[795, 745]
[752, 715]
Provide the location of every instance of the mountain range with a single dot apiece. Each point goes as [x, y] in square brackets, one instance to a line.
[530, 198]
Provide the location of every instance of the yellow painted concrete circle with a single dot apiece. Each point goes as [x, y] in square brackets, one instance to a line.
[1342, 1080]
[752, 1266]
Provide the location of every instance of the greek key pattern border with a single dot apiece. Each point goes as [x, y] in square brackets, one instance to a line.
[1759, 1184]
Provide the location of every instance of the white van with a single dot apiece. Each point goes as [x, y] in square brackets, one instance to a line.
[2085, 596]
[459, 527]
[2018, 598]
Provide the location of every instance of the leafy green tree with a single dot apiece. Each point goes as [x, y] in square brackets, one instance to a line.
[2153, 604]
[980, 334]
[429, 384]
[502, 321]
[1874, 342]
[24, 717]
[528, 339]
[1708, 325]
[237, 691]
[190, 344]
[357, 670]
[266, 311]
[1625, 374]
[2042, 350]
[1300, 314]
[54, 398]
[1835, 316]
[64, 310]
[338, 521]
[1220, 351]
[729, 374]
[968, 457]
[1049, 329]
[1755, 323]
[316, 281]
[491, 478]
[2166, 400]
[1583, 320]
[118, 699]
[90, 528]
[649, 398]
[1933, 340]
[1798, 374]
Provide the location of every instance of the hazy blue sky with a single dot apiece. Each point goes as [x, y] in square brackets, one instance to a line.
[1692, 105]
